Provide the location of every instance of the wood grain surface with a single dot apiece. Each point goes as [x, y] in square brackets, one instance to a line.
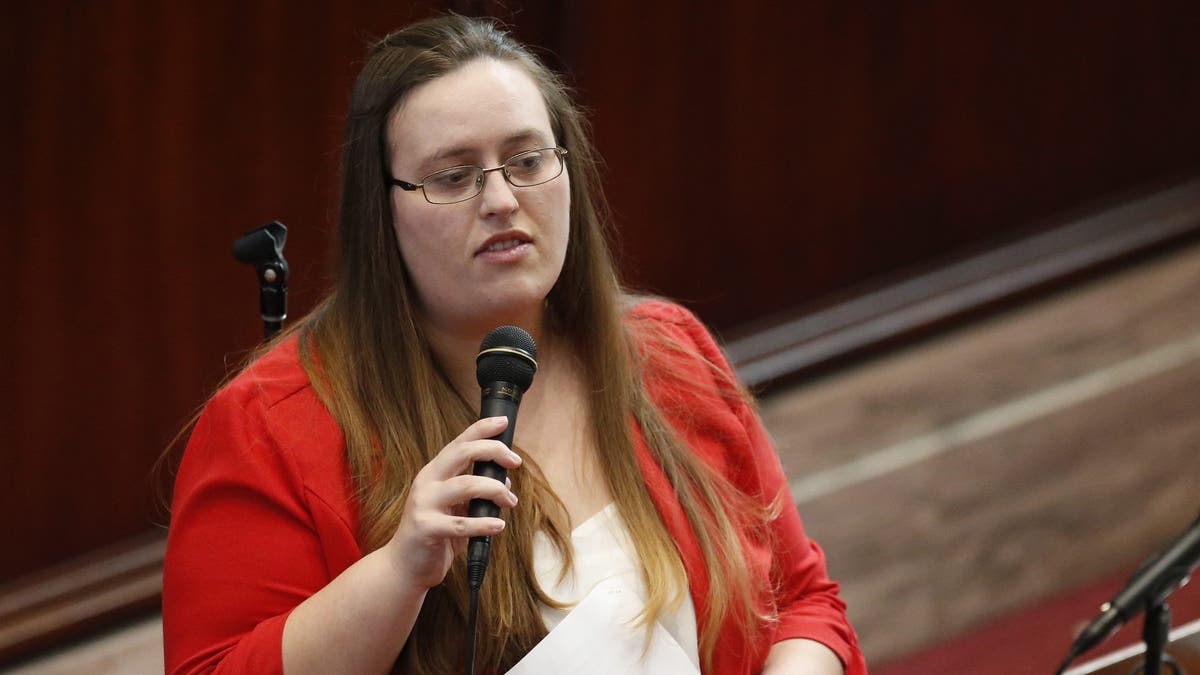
[1059, 492]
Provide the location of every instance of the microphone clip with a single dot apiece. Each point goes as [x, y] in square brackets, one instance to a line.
[263, 248]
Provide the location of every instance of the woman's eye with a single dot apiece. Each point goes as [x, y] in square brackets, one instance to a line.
[527, 165]
[530, 163]
[453, 178]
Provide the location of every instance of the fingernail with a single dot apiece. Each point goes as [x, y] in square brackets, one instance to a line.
[514, 456]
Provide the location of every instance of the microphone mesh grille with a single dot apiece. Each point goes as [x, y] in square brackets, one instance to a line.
[507, 366]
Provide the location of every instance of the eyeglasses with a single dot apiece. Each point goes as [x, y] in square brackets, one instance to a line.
[460, 183]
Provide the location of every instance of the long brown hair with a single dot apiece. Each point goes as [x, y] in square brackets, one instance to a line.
[372, 366]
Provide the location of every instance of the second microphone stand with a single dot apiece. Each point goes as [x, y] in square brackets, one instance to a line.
[1156, 632]
[263, 248]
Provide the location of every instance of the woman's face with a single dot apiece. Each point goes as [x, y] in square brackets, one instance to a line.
[491, 259]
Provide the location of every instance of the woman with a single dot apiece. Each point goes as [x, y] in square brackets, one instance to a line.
[319, 508]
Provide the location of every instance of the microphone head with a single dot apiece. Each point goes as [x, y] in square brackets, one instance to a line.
[507, 354]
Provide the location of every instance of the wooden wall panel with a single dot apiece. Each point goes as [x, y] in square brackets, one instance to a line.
[147, 137]
[764, 156]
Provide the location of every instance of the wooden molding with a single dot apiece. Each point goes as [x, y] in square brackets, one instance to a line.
[806, 342]
[69, 599]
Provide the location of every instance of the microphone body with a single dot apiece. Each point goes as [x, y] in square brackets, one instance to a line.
[1151, 585]
[498, 399]
[504, 369]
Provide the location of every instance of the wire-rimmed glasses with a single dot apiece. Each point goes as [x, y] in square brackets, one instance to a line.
[460, 183]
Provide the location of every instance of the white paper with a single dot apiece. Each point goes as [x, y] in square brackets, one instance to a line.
[597, 638]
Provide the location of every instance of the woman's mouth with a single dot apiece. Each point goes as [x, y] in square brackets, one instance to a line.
[502, 245]
[505, 248]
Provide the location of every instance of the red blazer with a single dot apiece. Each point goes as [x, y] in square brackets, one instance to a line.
[264, 513]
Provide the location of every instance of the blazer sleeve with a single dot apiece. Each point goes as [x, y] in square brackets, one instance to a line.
[243, 548]
[807, 600]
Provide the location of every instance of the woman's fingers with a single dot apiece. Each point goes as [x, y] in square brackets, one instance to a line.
[435, 526]
[461, 489]
[474, 444]
[448, 498]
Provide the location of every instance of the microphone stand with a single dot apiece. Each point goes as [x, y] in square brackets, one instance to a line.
[1156, 631]
[263, 248]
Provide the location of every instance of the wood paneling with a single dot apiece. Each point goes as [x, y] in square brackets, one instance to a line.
[988, 469]
[134, 649]
[806, 341]
[94, 590]
[147, 136]
[763, 155]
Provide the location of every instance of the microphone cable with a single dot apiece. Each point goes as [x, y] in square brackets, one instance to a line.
[472, 621]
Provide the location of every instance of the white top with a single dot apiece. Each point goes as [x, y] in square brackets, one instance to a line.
[603, 551]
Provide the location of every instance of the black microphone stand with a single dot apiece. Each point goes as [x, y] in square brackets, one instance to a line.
[263, 248]
[1156, 632]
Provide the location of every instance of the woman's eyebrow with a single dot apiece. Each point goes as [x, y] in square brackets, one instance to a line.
[523, 136]
[463, 154]
[459, 154]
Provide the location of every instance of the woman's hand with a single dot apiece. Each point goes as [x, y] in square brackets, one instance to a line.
[360, 621]
[435, 527]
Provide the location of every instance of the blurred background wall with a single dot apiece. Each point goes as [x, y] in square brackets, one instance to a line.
[767, 163]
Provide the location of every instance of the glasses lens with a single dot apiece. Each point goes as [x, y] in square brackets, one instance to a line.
[533, 167]
[453, 185]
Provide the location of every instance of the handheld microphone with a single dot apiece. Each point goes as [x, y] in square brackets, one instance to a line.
[1151, 584]
[504, 369]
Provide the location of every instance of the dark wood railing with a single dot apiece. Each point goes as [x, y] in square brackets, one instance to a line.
[808, 341]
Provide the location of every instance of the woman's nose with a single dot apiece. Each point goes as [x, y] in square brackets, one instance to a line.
[498, 197]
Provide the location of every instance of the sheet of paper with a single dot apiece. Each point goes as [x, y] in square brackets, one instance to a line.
[596, 638]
